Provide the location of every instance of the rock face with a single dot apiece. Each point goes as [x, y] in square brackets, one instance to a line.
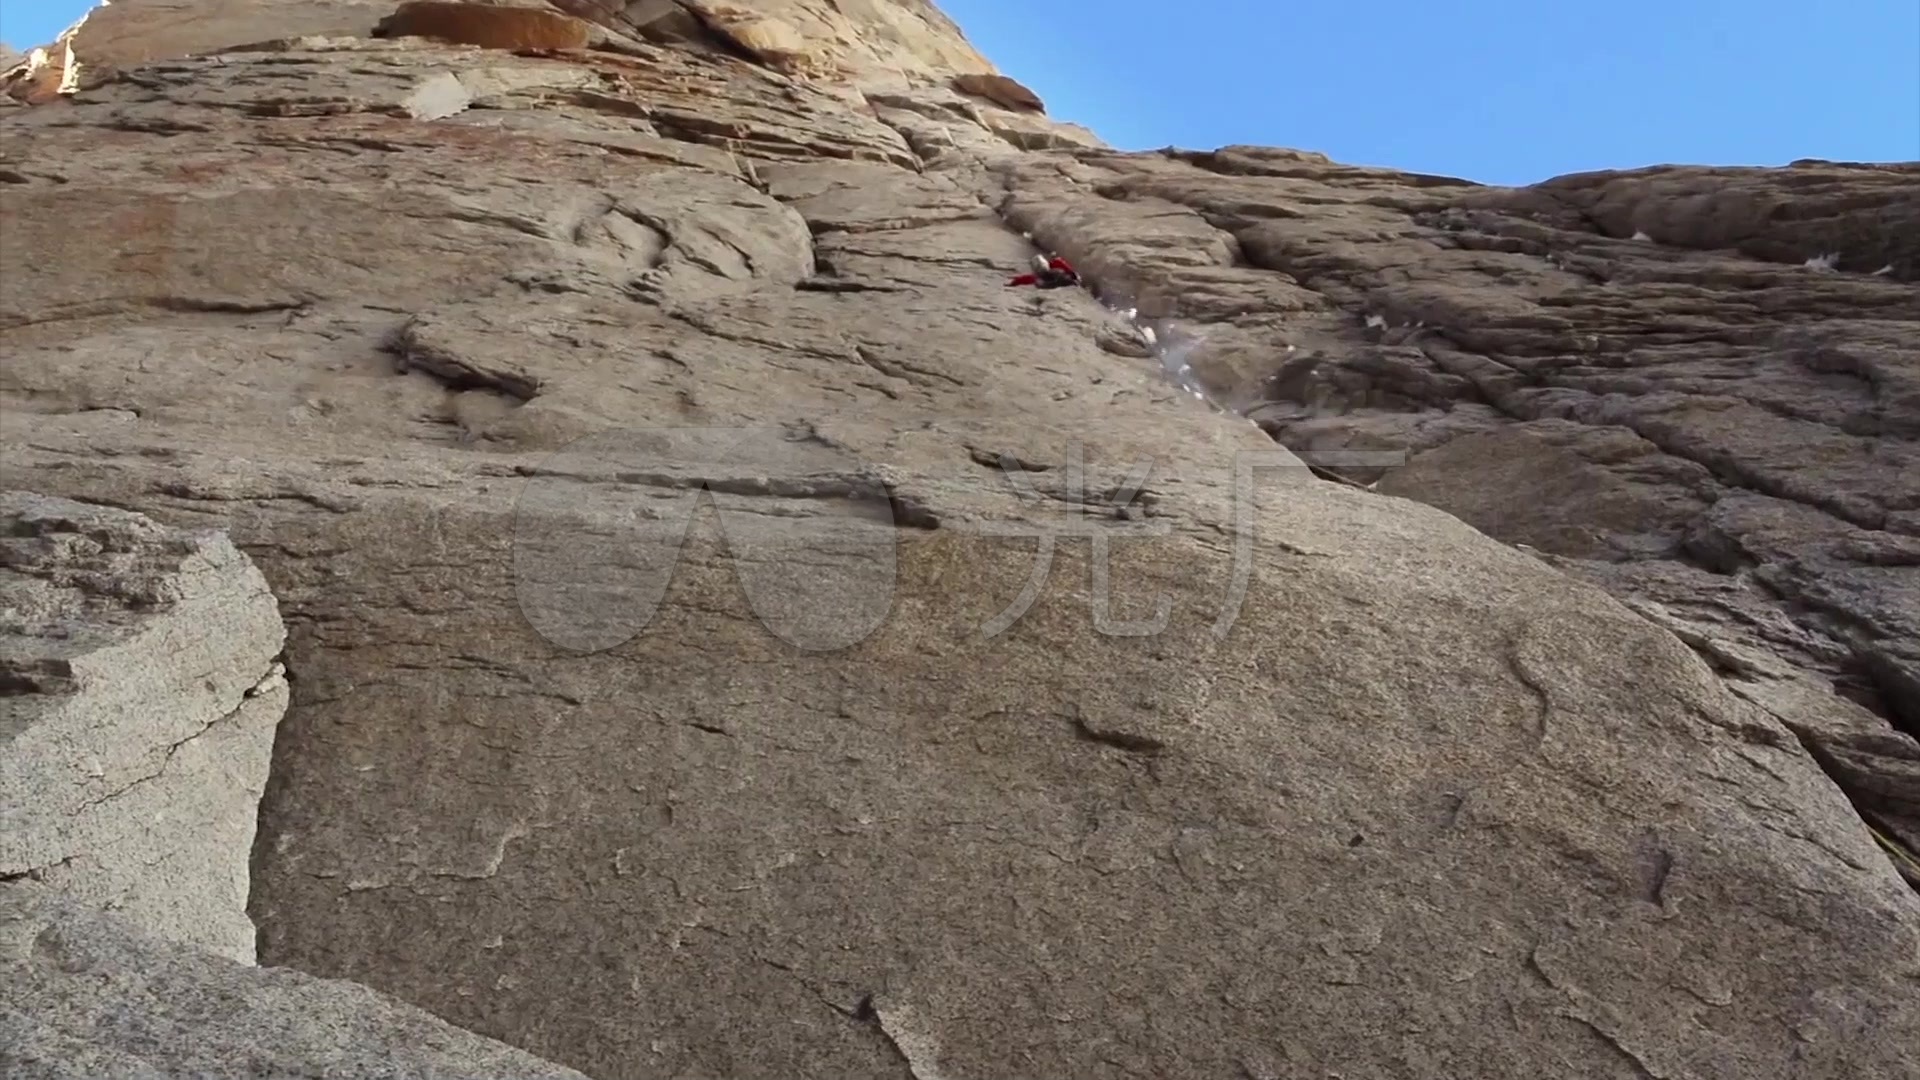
[89, 995]
[818, 773]
[1697, 387]
[142, 692]
[516, 28]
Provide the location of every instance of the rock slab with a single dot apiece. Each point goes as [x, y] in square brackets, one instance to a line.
[85, 994]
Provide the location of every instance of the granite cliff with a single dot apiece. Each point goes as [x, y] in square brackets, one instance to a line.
[1558, 721]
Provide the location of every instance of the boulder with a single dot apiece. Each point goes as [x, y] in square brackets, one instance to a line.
[143, 688]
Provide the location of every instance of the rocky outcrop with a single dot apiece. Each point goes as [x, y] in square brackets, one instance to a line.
[1000, 90]
[89, 995]
[1254, 774]
[111, 35]
[486, 25]
[141, 694]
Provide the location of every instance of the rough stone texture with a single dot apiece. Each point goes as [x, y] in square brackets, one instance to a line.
[85, 994]
[141, 693]
[485, 25]
[1428, 806]
[142, 30]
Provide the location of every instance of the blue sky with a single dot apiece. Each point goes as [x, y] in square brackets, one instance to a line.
[1501, 91]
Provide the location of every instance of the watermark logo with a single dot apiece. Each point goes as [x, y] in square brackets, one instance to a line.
[812, 532]
[602, 526]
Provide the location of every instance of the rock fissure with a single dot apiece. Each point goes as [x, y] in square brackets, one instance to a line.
[271, 681]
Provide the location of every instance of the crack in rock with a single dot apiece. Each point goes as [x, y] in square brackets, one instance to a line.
[1131, 742]
[273, 679]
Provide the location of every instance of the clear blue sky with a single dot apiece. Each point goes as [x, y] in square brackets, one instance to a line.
[1502, 91]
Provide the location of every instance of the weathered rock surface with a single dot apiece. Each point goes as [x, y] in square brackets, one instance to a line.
[772, 800]
[141, 692]
[87, 994]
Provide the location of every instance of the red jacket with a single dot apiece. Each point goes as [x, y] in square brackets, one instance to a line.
[1059, 272]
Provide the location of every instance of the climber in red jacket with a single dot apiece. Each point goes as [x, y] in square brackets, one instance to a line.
[1048, 273]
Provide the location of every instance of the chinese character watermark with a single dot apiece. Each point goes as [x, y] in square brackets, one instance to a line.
[811, 533]
[1099, 517]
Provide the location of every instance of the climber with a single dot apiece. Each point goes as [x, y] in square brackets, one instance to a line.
[1048, 273]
